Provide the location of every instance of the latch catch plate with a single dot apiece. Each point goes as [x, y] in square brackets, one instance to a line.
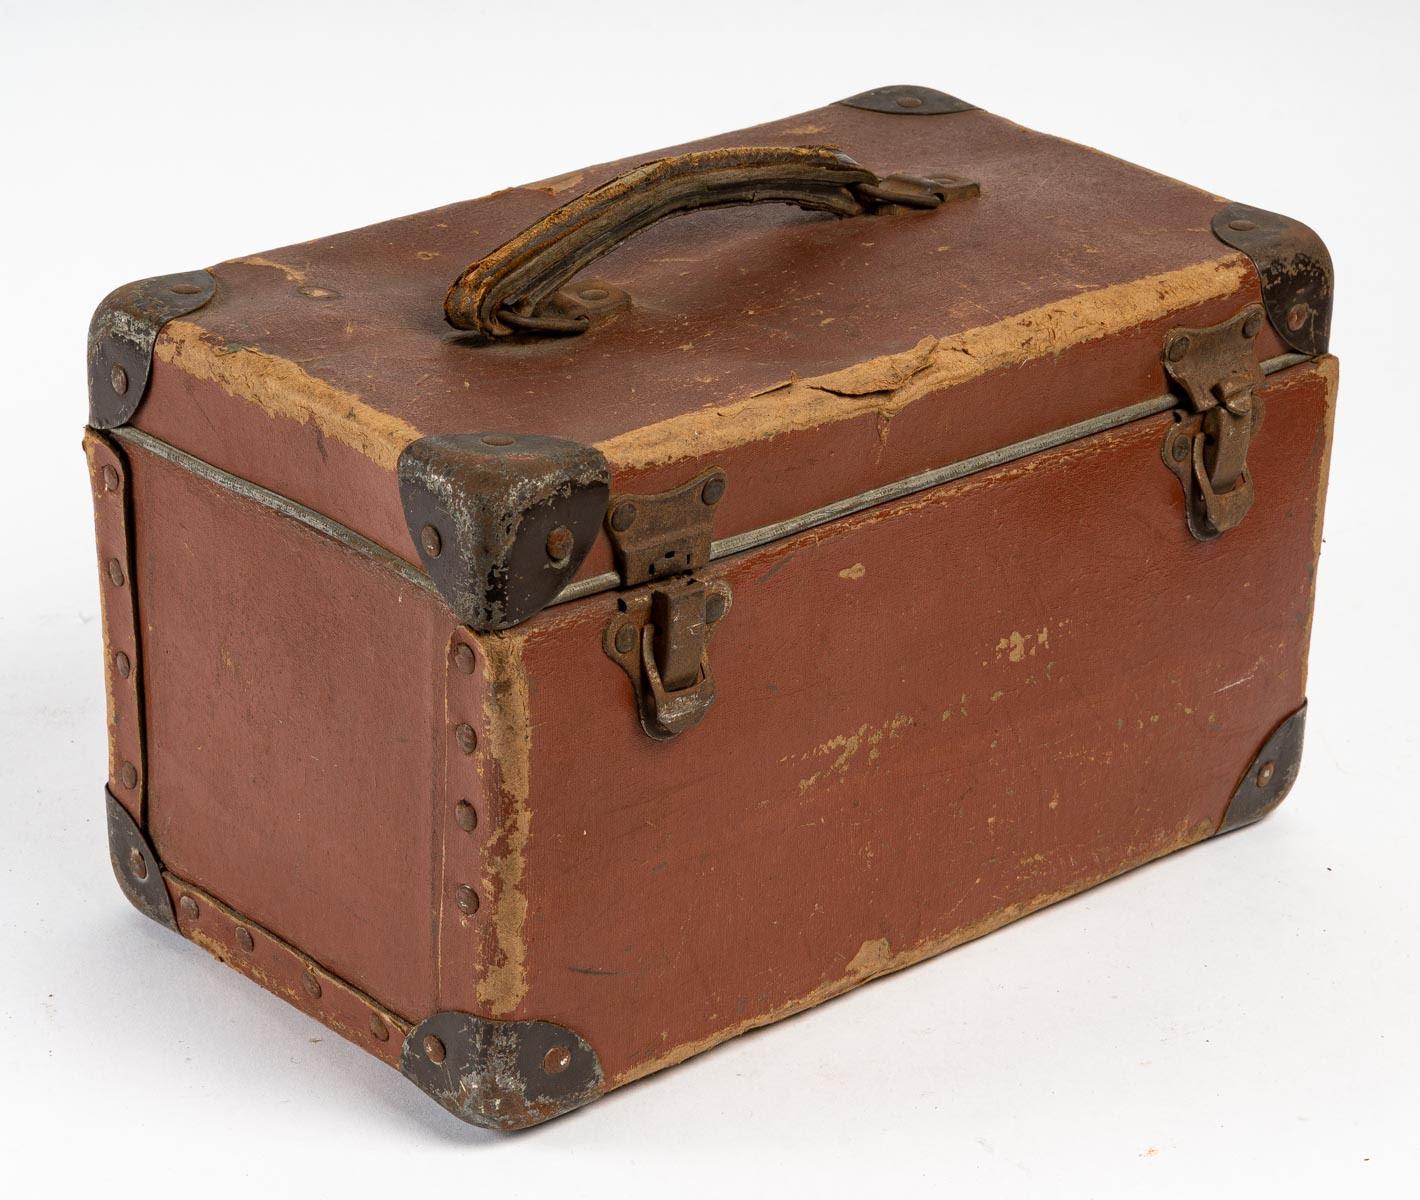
[661, 636]
[1217, 369]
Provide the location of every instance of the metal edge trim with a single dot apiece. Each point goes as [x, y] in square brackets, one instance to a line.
[346, 536]
[722, 548]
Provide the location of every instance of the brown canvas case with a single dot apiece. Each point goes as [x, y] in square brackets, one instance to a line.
[545, 640]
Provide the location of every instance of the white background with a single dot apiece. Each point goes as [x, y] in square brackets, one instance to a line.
[1239, 1019]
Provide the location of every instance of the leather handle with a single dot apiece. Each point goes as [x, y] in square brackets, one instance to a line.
[514, 288]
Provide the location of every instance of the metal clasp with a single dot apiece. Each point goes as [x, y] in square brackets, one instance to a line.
[661, 636]
[1207, 447]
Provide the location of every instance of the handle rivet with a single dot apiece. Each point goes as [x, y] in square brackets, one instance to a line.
[467, 900]
[622, 516]
[434, 1049]
[118, 379]
[1297, 316]
[431, 541]
[556, 1060]
[136, 865]
[1264, 775]
[560, 544]
[1252, 326]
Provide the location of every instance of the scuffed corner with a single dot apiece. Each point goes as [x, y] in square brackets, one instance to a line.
[502, 983]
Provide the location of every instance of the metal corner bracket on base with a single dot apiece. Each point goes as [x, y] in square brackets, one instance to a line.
[136, 865]
[122, 335]
[1270, 775]
[502, 1075]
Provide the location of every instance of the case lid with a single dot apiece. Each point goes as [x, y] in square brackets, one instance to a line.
[811, 358]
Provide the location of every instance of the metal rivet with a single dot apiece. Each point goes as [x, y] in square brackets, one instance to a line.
[185, 289]
[434, 1049]
[1178, 347]
[1297, 316]
[466, 738]
[560, 544]
[1253, 325]
[110, 479]
[115, 573]
[467, 900]
[136, 865]
[1180, 447]
[622, 516]
[497, 439]
[466, 816]
[311, 984]
[625, 639]
[378, 1029]
[1242, 226]
[128, 775]
[188, 907]
[713, 490]
[464, 658]
[244, 939]
[122, 664]
[118, 379]
[714, 607]
[431, 541]
[1264, 775]
[908, 102]
[556, 1060]
[594, 293]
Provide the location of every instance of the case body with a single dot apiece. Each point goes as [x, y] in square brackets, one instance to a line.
[979, 639]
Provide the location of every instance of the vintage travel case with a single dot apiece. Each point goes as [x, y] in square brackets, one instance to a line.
[544, 640]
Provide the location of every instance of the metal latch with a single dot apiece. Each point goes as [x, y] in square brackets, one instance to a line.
[1207, 447]
[661, 636]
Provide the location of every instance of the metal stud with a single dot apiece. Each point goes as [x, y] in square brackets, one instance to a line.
[466, 816]
[115, 572]
[110, 479]
[466, 738]
[434, 1049]
[464, 658]
[188, 907]
[118, 379]
[245, 940]
[560, 544]
[556, 1060]
[378, 1029]
[431, 541]
[122, 664]
[311, 984]
[128, 775]
[467, 900]
[136, 864]
[1265, 773]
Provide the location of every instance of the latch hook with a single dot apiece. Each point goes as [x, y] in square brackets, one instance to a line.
[1218, 370]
